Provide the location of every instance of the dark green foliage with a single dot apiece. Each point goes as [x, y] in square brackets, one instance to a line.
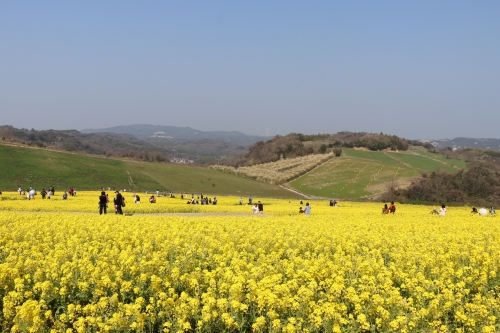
[297, 144]
[480, 184]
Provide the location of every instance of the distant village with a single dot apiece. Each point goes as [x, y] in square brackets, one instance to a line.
[180, 160]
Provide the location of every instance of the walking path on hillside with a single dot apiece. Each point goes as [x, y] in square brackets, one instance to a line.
[397, 159]
[442, 162]
[285, 186]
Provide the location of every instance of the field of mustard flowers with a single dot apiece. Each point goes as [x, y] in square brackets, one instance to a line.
[64, 268]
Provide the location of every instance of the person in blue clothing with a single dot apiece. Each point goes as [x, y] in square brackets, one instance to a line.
[307, 210]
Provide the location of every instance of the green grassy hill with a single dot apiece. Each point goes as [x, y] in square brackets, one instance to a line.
[366, 174]
[41, 168]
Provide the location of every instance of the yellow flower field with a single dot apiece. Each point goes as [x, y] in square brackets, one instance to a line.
[65, 268]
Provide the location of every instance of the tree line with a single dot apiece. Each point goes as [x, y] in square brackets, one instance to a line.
[298, 144]
[479, 184]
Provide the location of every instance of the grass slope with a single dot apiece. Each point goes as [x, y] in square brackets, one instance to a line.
[40, 168]
[366, 174]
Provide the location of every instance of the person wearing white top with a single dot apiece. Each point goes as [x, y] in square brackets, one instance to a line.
[307, 210]
[442, 211]
[255, 209]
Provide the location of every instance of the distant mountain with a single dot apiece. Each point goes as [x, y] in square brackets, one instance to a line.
[461, 143]
[202, 150]
[179, 133]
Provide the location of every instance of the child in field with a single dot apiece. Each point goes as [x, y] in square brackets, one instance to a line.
[255, 209]
[442, 211]
[385, 210]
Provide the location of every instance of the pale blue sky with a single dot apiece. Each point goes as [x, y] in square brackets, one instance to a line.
[419, 69]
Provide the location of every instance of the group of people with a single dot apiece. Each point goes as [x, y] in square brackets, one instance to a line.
[118, 201]
[258, 208]
[306, 210]
[389, 210]
[250, 201]
[31, 192]
[442, 211]
[203, 200]
[483, 211]
[137, 199]
[164, 193]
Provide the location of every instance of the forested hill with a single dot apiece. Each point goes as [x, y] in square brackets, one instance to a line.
[296, 144]
[202, 150]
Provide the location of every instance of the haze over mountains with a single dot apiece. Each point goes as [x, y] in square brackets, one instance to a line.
[461, 143]
[144, 131]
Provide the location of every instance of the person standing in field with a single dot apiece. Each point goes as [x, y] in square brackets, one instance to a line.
[261, 207]
[392, 208]
[442, 211]
[118, 201]
[255, 209]
[103, 203]
[307, 210]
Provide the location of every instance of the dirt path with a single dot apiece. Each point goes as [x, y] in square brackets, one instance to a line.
[397, 159]
[442, 162]
[286, 186]
[152, 214]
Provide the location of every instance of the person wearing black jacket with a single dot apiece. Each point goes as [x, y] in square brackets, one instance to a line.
[261, 207]
[118, 203]
[103, 203]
